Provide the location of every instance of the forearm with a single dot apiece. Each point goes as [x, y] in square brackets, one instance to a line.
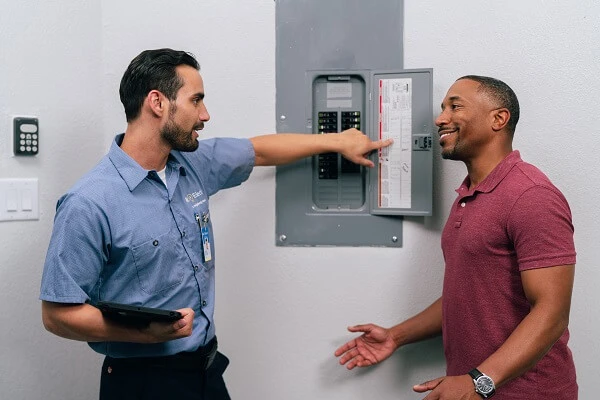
[528, 343]
[424, 325]
[86, 323]
[285, 148]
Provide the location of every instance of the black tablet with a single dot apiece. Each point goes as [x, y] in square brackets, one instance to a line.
[136, 314]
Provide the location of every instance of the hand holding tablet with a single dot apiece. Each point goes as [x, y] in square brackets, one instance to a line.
[136, 315]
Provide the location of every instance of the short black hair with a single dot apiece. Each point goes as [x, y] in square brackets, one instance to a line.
[502, 93]
[152, 70]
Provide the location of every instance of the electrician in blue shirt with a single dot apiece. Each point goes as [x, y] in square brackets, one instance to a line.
[136, 229]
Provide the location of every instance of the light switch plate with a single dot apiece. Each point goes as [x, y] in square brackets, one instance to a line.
[19, 199]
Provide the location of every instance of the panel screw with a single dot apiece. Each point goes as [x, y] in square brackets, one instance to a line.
[394, 239]
[282, 118]
[282, 238]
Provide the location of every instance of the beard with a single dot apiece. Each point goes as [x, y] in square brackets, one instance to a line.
[178, 138]
[450, 154]
[454, 153]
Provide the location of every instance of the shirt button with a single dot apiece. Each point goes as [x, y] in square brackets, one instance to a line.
[196, 268]
[203, 303]
[155, 243]
[183, 234]
[463, 204]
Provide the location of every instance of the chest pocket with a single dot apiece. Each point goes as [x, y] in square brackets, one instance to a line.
[160, 262]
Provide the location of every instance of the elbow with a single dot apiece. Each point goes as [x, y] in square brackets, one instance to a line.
[562, 323]
[49, 319]
[557, 325]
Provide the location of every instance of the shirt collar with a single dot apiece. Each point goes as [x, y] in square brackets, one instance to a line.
[496, 176]
[131, 172]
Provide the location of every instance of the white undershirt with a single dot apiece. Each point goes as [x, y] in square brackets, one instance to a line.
[162, 174]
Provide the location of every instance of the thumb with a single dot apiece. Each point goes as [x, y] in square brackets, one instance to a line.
[364, 161]
[366, 328]
[426, 386]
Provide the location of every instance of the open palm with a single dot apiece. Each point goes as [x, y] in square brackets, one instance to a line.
[373, 346]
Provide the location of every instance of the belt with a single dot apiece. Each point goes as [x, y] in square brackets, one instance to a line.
[198, 360]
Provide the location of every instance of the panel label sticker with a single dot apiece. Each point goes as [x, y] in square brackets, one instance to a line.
[395, 161]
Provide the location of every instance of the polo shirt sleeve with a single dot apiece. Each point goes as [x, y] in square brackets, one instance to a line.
[541, 228]
[76, 252]
[223, 162]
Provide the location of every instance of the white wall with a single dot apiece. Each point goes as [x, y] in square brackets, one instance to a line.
[50, 67]
[282, 311]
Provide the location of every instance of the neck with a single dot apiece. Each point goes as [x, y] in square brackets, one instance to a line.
[481, 166]
[143, 144]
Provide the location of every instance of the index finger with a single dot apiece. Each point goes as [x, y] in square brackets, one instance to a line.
[345, 347]
[378, 144]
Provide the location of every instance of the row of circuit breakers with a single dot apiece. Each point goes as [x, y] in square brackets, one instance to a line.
[331, 122]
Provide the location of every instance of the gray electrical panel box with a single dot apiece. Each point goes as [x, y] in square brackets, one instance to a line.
[339, 66]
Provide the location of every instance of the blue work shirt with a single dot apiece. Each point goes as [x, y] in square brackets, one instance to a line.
[120, 235]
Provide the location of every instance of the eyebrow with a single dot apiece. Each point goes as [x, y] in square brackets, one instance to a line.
[450, 99]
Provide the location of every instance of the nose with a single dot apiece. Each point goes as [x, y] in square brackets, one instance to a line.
[443, 118]
[203, 115]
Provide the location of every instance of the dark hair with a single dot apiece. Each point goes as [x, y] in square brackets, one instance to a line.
[152, 70]
[502, 93]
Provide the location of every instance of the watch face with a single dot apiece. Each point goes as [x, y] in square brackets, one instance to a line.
[485, 384]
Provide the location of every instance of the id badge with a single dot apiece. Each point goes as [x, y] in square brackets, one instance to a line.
[206, 243]
[205, 235]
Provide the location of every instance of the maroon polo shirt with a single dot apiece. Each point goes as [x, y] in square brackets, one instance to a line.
[514, 220]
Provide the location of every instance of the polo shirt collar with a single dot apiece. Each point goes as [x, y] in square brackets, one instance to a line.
[131, 172]
[497, 174]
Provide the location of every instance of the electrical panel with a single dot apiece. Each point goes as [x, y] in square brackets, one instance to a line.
[346, 72]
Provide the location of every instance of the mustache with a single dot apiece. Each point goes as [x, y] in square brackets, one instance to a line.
[445, 127]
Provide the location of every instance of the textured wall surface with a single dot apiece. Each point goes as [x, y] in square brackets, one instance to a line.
[281, 312]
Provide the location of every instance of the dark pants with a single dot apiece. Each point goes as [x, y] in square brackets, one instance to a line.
[147, 379]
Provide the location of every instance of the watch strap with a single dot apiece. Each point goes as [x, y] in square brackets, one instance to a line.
[475, 373]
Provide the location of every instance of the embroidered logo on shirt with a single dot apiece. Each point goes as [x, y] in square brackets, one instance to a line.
[192, 196]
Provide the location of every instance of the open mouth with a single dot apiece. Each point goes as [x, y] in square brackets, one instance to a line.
[197, 129]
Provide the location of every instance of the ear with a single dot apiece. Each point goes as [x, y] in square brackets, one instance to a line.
[156, 102]
[500, 117]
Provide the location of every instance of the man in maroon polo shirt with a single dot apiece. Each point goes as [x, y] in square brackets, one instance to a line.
[510, 263]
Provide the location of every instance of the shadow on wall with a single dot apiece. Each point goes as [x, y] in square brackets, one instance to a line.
[418, 359]
[407, 367]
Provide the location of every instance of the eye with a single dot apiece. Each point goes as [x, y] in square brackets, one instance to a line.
[454, 106]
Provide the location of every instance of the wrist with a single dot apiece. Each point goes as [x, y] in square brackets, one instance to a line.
[484, 385]
[398, 336]
[335, 144]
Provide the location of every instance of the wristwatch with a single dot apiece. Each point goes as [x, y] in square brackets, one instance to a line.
[484, 385]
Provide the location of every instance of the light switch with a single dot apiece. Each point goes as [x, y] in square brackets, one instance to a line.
[11, 200]
[26, 200]
[18, 199]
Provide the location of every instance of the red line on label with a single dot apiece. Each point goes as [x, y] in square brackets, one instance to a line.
[380, 107]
